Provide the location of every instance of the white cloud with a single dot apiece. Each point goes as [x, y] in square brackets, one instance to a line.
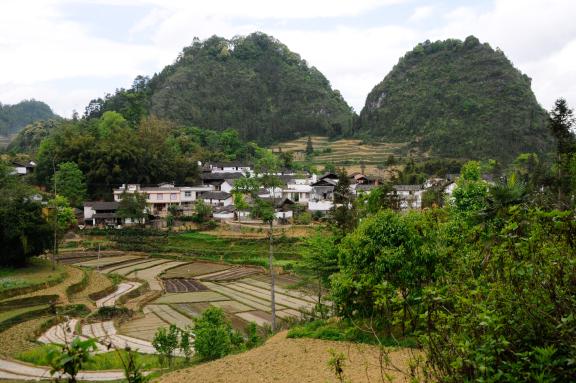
[40, 47]
[422, 13]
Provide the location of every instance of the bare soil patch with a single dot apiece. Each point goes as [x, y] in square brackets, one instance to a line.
[284, 360]
[20, 337]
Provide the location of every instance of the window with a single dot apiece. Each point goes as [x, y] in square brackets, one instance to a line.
[187, 194]
[147, 196]
[159, 197]
[173, 197]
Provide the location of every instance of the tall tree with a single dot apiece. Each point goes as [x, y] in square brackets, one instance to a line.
[344, 211]
[268, 166]
[70, 183]
[561, 123]
[24, 232]
[309, 147]
[132, 206]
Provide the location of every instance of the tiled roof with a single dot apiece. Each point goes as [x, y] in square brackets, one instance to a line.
[101, 205]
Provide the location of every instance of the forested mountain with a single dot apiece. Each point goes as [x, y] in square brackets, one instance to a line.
[252, 84]
[459, 100]
[28, 139]
[15, 117]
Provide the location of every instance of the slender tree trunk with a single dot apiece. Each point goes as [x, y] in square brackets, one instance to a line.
[272, 279]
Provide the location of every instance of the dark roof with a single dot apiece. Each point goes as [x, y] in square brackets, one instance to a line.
[329, 175]
[104, 215]
[101, 205]
[325, 182]
[221, 176]
[231, 164]
[23, 164]
[407, 187]
[218, 195]
[279, 201]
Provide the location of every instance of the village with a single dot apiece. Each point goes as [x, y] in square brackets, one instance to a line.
[299, 192]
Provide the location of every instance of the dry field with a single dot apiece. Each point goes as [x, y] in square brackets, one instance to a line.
[283, 360]
[345, 152]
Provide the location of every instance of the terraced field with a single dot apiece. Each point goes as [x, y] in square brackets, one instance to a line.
[107, 261]
[143, 328]
[136, 267]
[243, 293]
[169, 315]
[183, 285]
[194, 269]
[149, 274]
[230, 274]
[345, 151]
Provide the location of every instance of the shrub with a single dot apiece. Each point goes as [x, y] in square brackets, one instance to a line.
[213, 334]
[166, 343]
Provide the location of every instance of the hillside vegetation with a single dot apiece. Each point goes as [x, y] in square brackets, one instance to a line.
[253, 84]
[15, 117]
[459, 100]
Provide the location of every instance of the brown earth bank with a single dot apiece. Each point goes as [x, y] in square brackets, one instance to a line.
[283, 360]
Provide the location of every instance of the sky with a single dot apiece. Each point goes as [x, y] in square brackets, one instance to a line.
[66, 53]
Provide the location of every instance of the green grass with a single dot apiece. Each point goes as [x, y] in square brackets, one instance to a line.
[37, 272]
[236, 250]
[106, 361]
[344, 331]
[12, 313]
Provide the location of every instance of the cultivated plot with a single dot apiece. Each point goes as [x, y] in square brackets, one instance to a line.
[108, 261]
[194, 269]
[169, 315]
[149, 274]
[230, 274]
[137, 267]
[183, 285]
[200, 296]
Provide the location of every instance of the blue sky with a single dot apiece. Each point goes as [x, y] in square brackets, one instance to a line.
[67, 52]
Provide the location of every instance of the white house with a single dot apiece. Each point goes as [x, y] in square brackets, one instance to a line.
[100, 213]
[161, 197]
[299, 193]
[23, 168]
[410, 196]
[230, 167]
[218, 198]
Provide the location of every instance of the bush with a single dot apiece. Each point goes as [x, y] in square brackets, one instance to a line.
[213, 334]
[303, 218]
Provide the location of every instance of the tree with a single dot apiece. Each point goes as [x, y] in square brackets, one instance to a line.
[62, 218]
[213, 334]
[69, 182]
[24, 232]
[309, 147]
[202, 211]
[268, 166]
[166, 343]
[381, 197]
[344, 211]
[132, 206]
[384, 266]
[561, 122]
[469, 196]
[320, 259]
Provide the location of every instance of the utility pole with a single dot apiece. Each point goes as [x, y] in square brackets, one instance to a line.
[55, 217]
[270, 261]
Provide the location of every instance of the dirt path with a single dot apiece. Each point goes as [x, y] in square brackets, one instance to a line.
[294, 360]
